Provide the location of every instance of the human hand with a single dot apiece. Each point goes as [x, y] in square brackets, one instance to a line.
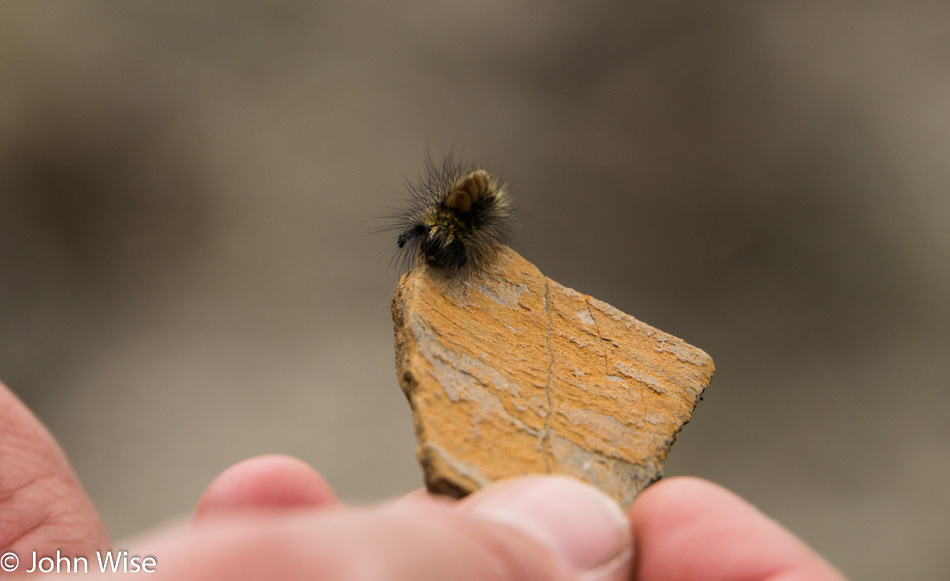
[274, 517]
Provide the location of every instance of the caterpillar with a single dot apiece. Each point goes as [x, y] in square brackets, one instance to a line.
[457, 218]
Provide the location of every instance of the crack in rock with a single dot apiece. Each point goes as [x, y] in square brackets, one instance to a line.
[546, 437]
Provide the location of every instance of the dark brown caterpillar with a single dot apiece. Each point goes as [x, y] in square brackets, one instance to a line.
[457, 219]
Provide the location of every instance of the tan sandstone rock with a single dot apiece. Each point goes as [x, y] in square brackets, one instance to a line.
[510, 373]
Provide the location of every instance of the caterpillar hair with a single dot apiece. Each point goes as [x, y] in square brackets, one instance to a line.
[458, 218]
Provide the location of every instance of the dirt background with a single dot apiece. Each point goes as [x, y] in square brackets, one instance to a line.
[188, 275]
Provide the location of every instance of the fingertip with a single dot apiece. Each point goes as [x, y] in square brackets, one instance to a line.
[578, 522]
[687, 527]
[680, 498]
[265, 483]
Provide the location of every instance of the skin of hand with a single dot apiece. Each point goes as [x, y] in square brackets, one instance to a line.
[275, 517]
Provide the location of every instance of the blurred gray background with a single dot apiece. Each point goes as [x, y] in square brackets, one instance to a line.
[188, 275]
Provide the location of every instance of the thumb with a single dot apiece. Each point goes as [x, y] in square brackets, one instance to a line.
[537, 528]
[584, 528]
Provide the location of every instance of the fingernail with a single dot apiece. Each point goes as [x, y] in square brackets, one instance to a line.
[575, 520]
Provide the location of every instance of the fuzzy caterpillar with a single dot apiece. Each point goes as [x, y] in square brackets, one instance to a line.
[458, 218]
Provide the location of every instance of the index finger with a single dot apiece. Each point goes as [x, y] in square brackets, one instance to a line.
[688, 528]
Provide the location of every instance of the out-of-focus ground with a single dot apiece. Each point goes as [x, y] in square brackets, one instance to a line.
[188, 275]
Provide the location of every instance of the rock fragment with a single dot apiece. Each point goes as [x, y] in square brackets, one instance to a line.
[510, 373]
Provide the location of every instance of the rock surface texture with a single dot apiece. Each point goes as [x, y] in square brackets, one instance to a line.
[510, 373]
